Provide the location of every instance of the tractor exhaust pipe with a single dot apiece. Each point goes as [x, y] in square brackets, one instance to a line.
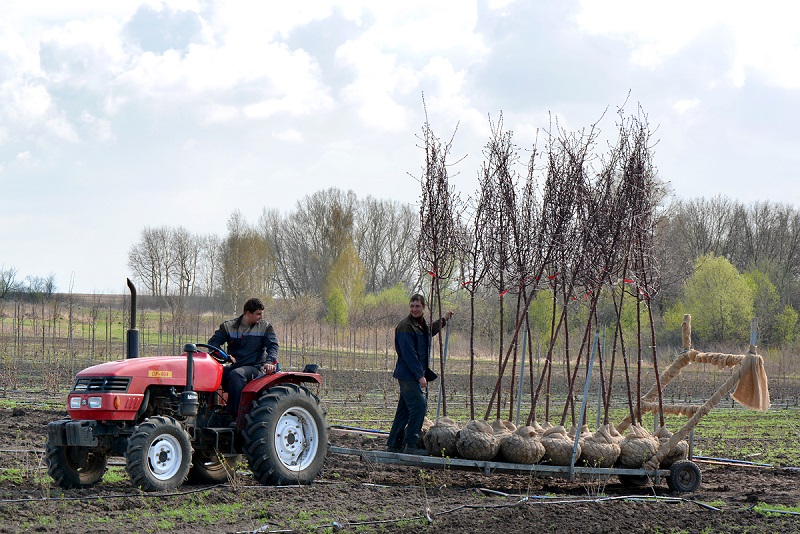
[133, 332]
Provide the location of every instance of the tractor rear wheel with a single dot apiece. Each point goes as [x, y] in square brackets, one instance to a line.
[75, 467]
[210, 468]
[286, 437]
[159, 454]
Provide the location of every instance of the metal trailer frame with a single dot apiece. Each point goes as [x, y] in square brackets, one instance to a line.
[489, 467]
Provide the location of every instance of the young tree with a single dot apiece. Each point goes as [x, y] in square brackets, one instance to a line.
[719, 299]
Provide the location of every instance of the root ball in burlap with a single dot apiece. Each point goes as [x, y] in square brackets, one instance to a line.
[678, 453]
[637, 447]
[523, 446]
[539, 429]
[440, 440]
[600, 449]
[426, 425]
[558, 446]
[476, 441]
[585, 432]
[502, 429]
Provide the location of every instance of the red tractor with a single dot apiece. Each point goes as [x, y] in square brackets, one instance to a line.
[167, 416]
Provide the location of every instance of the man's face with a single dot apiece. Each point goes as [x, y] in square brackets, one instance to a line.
[416, 308]
[251, 318]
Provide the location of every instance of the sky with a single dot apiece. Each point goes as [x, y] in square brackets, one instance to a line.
[117, 116]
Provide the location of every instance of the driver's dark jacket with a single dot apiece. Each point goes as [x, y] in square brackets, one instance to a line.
[250, 345]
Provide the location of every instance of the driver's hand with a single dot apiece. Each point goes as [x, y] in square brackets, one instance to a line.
[269, 368]
[231, 358]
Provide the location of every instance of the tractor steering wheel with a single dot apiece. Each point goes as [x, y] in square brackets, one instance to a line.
[215, 352]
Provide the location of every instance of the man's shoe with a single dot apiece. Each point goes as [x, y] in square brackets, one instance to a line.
[408, 449]
[392, 448]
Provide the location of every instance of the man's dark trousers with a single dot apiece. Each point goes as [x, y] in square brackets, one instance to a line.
[411, 409]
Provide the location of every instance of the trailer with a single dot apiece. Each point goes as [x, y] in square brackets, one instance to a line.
[747, 385]
[681, 476]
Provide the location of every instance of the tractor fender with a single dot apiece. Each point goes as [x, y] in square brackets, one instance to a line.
[255, 387]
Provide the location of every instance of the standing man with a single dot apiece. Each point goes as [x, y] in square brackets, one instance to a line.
[411, 341]
[253, 348]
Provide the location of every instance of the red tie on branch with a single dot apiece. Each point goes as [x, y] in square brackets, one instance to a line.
[432, 273]
[503, 292]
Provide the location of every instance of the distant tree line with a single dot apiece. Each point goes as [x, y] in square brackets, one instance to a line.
[332, 245]
[724, 261]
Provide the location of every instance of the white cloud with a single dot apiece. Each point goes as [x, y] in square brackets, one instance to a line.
[291, 135]
[378, 81]
[61, 128]
[765, 35]
[446, 95]
[100, 128]
[682, 107]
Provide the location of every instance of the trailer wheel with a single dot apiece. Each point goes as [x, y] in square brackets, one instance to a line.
[75, 467]
[286, 436]
[209, 468]
[634, 481]
[158, 455]
[684, 476]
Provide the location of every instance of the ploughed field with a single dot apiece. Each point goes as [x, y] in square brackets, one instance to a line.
[353, 496]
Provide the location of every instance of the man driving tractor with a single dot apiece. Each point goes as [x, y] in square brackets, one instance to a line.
[253, 348]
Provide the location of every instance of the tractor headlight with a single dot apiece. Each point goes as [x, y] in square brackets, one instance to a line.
[75, 402]
[95, 402]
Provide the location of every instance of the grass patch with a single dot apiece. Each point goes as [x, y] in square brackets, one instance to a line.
[115, 474]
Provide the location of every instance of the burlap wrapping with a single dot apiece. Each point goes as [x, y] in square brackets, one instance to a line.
[585, 432]
[440, 440]
[637, 447]
[523, 446]
[537, 428]
[477, 441]
[502, 429]
[679, 452]
[558, 446]
[600, 449]
[426, 425]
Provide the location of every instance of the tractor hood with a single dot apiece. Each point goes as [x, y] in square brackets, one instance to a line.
[160, 370]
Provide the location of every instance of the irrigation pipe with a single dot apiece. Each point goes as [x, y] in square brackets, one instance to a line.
[337, 526]
[364, 430]
[757, 508]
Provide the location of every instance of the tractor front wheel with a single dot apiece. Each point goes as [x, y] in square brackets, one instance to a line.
[159, 454]
[286, 436]
[75, 467]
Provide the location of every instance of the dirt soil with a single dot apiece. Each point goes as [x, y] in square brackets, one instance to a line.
[353, 496]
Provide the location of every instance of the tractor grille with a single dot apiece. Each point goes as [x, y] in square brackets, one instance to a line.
[101, 384]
